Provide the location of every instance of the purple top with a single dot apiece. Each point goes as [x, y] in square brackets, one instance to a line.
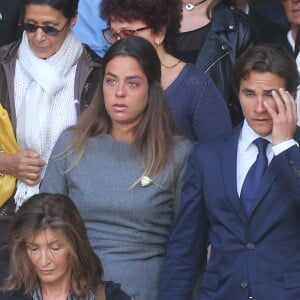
[198, 108]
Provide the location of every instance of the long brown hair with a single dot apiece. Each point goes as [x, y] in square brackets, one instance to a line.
[155, 132]
[52, 211]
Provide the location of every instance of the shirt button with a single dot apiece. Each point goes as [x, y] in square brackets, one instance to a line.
[230, 27]
[244, 284]
[250, 246]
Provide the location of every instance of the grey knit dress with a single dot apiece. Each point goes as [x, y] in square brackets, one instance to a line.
[127, 225]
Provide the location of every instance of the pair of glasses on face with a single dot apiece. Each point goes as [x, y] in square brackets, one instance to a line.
[49, 30]
[111, 36]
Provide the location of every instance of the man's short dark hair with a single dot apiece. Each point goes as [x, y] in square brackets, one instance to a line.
[267, 58]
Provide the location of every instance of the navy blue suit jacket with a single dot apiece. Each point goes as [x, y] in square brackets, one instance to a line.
[259, 255]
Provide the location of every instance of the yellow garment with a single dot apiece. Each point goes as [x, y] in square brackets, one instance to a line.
[8, 144]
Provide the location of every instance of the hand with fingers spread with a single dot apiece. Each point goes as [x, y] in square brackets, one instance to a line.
[284, 115]
[25, 165]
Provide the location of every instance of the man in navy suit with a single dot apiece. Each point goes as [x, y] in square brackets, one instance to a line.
[255, 248]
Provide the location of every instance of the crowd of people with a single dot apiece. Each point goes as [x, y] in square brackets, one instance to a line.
[158, 153]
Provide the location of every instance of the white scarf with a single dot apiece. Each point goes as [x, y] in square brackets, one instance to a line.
[48, 77]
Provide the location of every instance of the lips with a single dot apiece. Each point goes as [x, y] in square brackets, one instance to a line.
[119, 107]
[296, 11]
[41, 49]
[262, 120]
[46, 272]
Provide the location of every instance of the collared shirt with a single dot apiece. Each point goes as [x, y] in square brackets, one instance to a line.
[247, 152]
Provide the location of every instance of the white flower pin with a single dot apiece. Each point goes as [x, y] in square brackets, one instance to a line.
[145, 181]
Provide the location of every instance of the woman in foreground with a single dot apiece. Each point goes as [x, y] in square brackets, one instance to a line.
[124, 168]
[51, 257]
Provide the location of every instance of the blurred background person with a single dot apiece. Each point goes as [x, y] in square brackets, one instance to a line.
[10, 13]
[212, 35]
[123, 165]
[197, 106]
[51, 257]
[89, 25]
[291, 38]
[265, 29]
[46, 79]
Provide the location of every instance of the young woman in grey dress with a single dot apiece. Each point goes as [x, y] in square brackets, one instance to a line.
[123, 166]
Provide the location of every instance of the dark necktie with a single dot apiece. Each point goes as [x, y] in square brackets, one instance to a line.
[254, 175]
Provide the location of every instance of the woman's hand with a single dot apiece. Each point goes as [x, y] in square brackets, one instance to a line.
[25, 165]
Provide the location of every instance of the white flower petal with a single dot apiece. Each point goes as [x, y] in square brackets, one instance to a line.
[145, 181]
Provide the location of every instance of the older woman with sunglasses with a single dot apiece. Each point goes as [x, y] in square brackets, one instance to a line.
[46, 80]
[198, 108]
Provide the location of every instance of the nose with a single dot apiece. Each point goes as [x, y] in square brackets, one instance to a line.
[44, 257]
[39, 35]
[121, 92]
[260, 108]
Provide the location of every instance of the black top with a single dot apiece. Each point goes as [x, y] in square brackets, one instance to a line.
[189, 44]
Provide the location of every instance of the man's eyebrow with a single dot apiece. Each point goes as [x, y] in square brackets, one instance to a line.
[247, 90]
[270, 91]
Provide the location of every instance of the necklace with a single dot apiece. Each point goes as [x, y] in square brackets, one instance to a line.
[172, 66]
[190, 6]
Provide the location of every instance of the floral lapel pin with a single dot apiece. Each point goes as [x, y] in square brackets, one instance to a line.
[146, 180]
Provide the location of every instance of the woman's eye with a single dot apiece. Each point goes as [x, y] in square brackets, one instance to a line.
[55, 247]
[133, 84]
[110, 81]
[31, 247]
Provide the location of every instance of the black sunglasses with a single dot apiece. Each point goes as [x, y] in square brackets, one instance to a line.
[49, 30]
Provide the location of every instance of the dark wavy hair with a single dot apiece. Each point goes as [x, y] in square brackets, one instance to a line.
[154, 134]
[52, 211]
[67, 7]
[156, 14]
[267, 58]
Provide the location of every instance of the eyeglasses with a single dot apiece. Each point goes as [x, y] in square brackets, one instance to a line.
[49, 30]
[111, 36]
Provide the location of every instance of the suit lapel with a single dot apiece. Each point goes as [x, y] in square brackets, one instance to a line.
[228, 160]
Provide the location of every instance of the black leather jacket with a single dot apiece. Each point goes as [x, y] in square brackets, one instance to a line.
[229, 36]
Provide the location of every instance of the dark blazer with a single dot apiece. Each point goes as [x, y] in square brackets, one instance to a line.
[259, 255]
